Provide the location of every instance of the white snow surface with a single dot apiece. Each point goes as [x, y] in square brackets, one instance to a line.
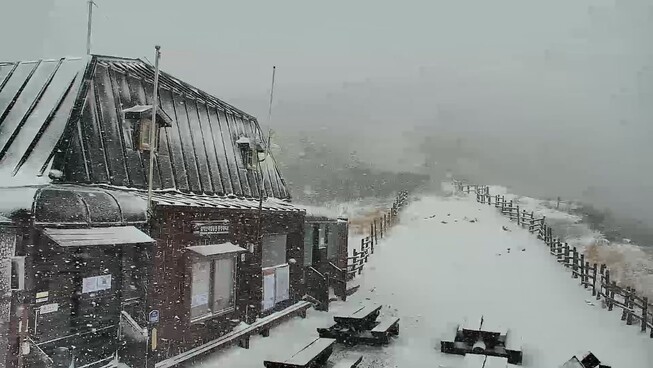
[629, 264]
[432, 275]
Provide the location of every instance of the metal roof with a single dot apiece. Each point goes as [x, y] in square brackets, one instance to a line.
[216, 249]
[36, 101]
[66, 117]
[222, 202]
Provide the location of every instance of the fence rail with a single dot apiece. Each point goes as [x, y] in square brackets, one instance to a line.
[635, 308]
[379, 228]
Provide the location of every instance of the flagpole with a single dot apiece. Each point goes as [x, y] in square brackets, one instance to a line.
[89, 27]
[153, 127]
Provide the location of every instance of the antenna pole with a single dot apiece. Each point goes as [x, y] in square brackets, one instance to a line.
[259, 222]
[153, 127]
[274, 69]
[90, 26]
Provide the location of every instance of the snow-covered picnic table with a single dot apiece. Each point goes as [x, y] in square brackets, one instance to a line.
[432, 275]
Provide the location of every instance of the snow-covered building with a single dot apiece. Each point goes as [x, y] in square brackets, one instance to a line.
[90, 261]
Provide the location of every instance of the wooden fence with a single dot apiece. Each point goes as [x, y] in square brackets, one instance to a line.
[635, 308]
[379, 228]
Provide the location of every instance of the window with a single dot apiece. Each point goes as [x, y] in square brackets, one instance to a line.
[213, 287]
[324, 236]
[308, 245]
[140, 116]
[333, 241]
[199, 305]
[223, 284]
[144, 136]
[274, 250]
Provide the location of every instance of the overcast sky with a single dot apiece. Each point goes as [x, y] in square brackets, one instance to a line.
[560, 85]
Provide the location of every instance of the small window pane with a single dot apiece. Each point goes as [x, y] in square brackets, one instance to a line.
[274, 250]
[323, 236]
[145, 134]
[199, 305]
[333, 241]
[308, 245]
[223, 284]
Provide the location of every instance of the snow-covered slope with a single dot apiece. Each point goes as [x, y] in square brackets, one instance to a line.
[629, 264]
[432, 274]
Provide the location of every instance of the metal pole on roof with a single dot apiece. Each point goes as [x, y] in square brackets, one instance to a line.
[153, 127]
[90, 26]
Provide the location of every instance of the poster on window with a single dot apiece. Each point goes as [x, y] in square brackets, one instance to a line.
[96, 283]
[282, 288]
[268, 289]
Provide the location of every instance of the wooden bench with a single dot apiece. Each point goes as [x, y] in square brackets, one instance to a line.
[241, 336]
[349, 362]
[386, 328]
[316, 353]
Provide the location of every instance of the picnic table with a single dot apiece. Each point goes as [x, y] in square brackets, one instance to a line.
[478, 336]
[362, 318]
[361, 326]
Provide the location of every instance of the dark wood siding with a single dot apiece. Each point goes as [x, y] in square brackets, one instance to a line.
[172, 270]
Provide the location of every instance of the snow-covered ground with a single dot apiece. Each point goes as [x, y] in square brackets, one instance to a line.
[433, 274]
[629, 264]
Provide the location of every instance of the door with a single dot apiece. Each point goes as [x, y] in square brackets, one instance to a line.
[77, 304]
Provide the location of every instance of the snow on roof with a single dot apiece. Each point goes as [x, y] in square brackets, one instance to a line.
[36, 99]
[112, 235]
[216, 249]
[15, 199]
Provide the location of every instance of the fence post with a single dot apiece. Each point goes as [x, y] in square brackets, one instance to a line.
[354, 263]
[594, 280]
[574, 266]
[376, 232]
[566, 253]
[645, 314]
[518, 217]
[601, 280]
[631, 306]
[624, 310]
[380, 227]
[583, 271]
[371, 233]
[325, 294]
[613, 285]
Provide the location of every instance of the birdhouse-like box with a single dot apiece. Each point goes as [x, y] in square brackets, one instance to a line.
[250, 149]
[140, 118]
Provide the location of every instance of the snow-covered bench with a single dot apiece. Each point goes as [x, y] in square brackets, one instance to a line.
[480, 337]
[387, 327]
[316, 353]
[349, 362]
[483, 361]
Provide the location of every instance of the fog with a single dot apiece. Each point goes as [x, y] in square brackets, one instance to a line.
[551, 98]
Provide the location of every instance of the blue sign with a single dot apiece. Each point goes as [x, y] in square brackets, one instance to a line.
[154, 316]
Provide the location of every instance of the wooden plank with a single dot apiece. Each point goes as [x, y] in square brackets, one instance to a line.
[474, 361]
[385, 325]
[311, 352]
[495, 362]
[349, 362]
[472, 324]
[366, 311]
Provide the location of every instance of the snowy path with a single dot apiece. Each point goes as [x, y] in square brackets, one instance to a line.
[432, 274]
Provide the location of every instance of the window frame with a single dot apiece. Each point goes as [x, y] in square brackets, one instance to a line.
[211, 297]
